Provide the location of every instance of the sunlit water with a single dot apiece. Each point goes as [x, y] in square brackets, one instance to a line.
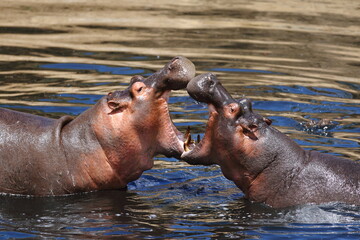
[297, 60]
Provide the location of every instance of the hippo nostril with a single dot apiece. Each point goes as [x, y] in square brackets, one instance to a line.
[171, 65]
[140, 89]
[175, 59]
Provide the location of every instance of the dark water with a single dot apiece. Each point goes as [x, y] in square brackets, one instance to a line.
[297, 60]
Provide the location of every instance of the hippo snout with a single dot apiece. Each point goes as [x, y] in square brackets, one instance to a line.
[174, 75]
[208, 89]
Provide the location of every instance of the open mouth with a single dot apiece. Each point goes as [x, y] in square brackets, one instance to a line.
[194, 145]
[174, 75]
[189, 143]
[207, 89]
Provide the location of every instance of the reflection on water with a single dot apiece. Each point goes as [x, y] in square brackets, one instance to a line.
[298, 61]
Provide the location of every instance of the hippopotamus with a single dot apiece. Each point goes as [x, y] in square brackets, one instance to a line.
[264, 163]
[105, 147]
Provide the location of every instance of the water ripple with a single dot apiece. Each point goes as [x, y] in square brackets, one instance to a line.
[297, 61]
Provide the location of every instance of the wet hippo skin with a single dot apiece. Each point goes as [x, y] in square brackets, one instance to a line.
[105, 147]
[264, 163]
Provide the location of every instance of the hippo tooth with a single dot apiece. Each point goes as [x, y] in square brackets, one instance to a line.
[187, 134]
[186, 148]
[187, 140]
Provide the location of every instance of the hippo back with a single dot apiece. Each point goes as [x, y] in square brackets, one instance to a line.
[29, 144]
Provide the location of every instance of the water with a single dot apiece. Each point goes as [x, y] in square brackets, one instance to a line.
[297, 60]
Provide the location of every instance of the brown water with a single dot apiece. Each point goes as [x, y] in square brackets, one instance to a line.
[297, 60]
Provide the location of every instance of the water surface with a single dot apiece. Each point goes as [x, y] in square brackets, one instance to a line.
[298, 61]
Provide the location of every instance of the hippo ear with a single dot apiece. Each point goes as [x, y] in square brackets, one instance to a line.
[115, 103]
[249, 130]
[268, 121]
[116, 106]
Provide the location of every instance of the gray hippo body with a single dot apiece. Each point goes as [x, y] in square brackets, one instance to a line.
[264, 163]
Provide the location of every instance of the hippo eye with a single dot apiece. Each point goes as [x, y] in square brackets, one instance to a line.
[235, 110]
[140, 89]
[211, 83]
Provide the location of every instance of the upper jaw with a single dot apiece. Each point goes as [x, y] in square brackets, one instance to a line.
[206, 88]
[170, 140]
[173, 76]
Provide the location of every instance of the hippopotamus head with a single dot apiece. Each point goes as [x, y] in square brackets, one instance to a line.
[233, 136]
[145, 105]
[134, 125]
